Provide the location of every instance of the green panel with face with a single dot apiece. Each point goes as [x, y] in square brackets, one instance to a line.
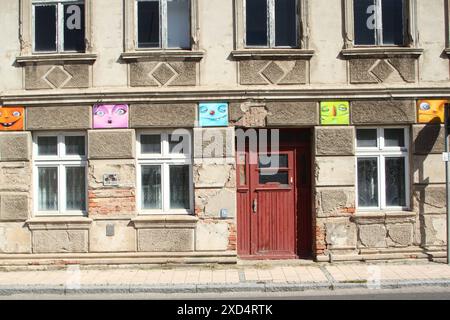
[335, 113]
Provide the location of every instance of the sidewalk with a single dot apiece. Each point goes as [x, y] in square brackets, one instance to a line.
[265, 277]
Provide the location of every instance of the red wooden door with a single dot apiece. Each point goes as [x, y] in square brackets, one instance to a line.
[269, 204]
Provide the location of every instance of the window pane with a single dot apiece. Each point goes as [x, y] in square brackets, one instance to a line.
[367, 182]
[45, 28]
[285, 23]
[270, 176]
[47, 146]
[256, 22]
[74, 27]
[395, 182]
[392, 11]
[76, 188]
[75, 146]
[48, 189]
[364, 14]
[151, 187]
[179, 144]
[273, 161]
[178, 24]
[148, 24]
[366, 138]
[179, 187]
[151, 144]
[394, 137]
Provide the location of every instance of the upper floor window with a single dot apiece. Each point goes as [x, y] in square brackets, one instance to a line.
[382, 168]
[60, 173]
[271, 23]
[163, 24]
[58, 26]
[379, 22]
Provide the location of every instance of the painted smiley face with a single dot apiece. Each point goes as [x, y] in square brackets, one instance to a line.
[213, 114]
[431, 111]
[12, 118]
[108, 116]
[335, 113]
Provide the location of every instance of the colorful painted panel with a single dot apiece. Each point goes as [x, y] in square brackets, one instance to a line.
[335, 113]
[431, 111]
[108, 116]
[213, 114]
[12, 118]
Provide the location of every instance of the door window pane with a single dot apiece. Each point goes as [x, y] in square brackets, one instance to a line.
[148, 24]
[45, 28]
[179, 187]
[151, 144]
[273, 161]
[285, 23]
[151, 187]
[178, 24]
[395, 182]
[47, 146]
[48, 189]
[75, 145]
[364, 15]
[392, 11]
[368, 182]
[271, 176]
[366, 138]
[74, 27]
[394, 137]
[75, 188]
[256, 22]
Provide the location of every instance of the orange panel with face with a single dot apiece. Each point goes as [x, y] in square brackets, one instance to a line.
[431, 111]
[11, 118]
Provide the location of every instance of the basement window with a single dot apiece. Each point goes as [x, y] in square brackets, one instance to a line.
[382, 164]
[163, 24]
[379, 22]
[59, 26]
[271, 23]
[60, 174]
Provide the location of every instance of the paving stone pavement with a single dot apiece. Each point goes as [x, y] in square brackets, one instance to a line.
[266, 278]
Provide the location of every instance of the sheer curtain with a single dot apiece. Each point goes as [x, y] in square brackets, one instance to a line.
[48, 189]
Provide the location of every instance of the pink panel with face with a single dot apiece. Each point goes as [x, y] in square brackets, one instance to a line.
[107, 116]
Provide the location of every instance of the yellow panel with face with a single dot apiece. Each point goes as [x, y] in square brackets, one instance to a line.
[431, 111]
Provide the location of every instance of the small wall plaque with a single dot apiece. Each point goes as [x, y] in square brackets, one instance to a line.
[110, 179]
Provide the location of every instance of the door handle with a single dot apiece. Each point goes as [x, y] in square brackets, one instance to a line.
[255, 206]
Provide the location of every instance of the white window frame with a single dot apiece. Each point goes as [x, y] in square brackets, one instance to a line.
[379, 32]
[164, 159]
[381, 153]
[60, 161]
[163, 26]
[59, 22]
[271, 32]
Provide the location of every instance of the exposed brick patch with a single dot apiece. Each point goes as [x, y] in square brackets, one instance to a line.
[112, 202]
[232, 237]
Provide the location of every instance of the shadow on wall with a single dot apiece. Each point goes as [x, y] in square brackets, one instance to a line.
[425, 143]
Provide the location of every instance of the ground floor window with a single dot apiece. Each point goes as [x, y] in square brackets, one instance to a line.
[382, 164]
[59, 173]
[165, 172]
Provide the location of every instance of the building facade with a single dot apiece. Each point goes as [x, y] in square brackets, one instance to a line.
[98, 96]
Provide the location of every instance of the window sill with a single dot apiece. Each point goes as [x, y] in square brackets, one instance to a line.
[361, 216]
[381, 52]
[165, 221]
[53, 58]
[295, 54]
[158, 55]
[59, 223]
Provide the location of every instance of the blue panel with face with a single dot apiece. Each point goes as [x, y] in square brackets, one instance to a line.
[213, 114]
